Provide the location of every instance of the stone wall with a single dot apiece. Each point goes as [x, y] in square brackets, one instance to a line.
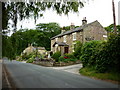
[94, 32]
[44, 63]
[52, 48]
[51, 63]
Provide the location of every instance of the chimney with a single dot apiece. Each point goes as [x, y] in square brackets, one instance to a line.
[72, 26]
[63, 30]
[84, 21]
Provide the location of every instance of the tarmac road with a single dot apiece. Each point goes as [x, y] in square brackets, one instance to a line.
[27, 75]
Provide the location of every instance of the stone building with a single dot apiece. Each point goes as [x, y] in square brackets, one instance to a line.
[30, 49]
[66, 41]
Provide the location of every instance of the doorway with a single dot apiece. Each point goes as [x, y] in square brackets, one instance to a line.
[66, 49]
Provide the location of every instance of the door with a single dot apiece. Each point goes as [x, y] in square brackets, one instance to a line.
[66, 50]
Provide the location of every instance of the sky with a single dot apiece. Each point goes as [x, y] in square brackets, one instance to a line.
[100, 10]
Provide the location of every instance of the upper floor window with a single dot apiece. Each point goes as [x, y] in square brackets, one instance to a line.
[64, 38]
[56, 39]
[74, 36]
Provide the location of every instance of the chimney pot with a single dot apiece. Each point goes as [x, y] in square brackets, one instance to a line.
[72, 26]
[84, 21]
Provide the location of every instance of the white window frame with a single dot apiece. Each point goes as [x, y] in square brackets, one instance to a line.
[56, 39]
[74, 36]
[73, 47]
[64, 38]
[105, 36]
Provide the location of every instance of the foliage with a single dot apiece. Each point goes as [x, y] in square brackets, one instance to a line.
[78, 47]
[70, 55]
[56, 56]
[87, 51]
[110, 28]
[7, 49]
[67, 28]
[61, 58]
[26, 57]
[17, 42]
[107, 59]
[87, 71]
[21, 10]
[30, 60]
[102, 56]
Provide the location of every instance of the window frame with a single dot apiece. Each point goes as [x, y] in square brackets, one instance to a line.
[74, 36]
[64, 39]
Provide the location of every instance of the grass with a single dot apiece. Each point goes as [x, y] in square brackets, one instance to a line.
[104, 76]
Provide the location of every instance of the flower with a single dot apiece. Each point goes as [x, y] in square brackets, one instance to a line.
[65, 57]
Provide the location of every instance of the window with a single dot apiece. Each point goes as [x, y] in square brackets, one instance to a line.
[64, 37]
[105, 36]
[74, 46]
[74, 36]
[56, 39]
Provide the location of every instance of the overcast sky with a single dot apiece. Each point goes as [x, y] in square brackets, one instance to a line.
[100, 10]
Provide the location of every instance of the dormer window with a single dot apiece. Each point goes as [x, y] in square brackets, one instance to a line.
[64, 38]
[74, 36]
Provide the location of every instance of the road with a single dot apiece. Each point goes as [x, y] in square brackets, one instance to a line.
[34, 76]
[72, 68]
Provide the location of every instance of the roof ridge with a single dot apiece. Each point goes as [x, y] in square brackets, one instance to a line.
[74, 30]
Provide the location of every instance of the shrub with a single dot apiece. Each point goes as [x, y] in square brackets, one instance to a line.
[87, 51]
[78, 47]
[56, 56]
[66, 59]
[73, 60]
[107, 59]
[26, 57]
[61, 58]
[69, 55]
[102, 56]
[30, 60]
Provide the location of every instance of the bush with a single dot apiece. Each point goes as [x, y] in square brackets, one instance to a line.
[87, 51]
[56, 56]
[78, 47]
[107, 59]
[67, 59]
[69, 55]
[26, 57]
[30, 60]
[61, 58]
[102, 56]
[73, 60]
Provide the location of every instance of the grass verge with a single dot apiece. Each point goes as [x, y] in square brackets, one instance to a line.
[113, 77]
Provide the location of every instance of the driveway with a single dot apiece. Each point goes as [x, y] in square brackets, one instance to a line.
[72, 68]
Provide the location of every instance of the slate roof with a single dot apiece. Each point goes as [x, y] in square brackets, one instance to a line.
[60, 44]
[72, 31]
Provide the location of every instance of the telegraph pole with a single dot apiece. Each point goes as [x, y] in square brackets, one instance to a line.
[114, 17]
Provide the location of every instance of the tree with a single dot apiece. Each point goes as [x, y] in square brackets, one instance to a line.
[67, 28]
[17, 42]
[7, 49]
[110, 28]
[51, 29]
[21, 10]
